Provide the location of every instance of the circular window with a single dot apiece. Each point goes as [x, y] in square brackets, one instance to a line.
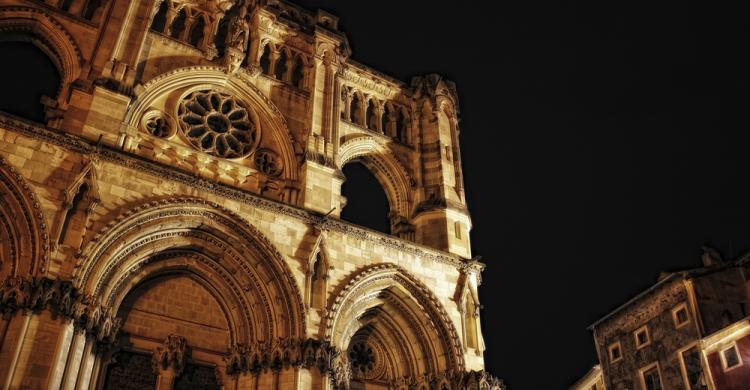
[158, 124]
[217, 124]
[268, 162]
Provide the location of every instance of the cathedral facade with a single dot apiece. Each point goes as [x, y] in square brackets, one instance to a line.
[173, 221]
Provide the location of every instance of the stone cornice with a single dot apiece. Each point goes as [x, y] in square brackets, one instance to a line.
[114, 156]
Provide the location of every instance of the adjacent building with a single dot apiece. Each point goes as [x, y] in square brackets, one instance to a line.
[690, 331]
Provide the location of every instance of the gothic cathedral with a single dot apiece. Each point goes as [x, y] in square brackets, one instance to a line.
[171, 220]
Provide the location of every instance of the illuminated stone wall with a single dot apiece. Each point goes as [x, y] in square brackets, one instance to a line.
[181, 204]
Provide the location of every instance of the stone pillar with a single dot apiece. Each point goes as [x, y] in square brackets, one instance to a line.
[60, 359]
[15, 334]
[171, 15]
[77, 348]
[88, 358]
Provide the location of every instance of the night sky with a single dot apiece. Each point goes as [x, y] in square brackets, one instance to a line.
[602, 144]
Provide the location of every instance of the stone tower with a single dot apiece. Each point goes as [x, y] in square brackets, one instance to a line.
[174, 222]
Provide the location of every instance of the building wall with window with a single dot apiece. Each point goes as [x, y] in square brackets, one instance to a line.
[174, 220]
[727, 354]
[644, 338]
[679, 334]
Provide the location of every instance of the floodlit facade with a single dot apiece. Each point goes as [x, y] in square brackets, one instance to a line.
[173, 222]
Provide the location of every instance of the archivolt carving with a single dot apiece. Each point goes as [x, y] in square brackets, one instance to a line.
[351, 306]
[214, 78]
[385, 166]
[229, 245]
[24, 241]
[48, 33]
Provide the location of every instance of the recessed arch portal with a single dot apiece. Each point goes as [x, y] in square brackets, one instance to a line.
[392, 327]
[201, 239]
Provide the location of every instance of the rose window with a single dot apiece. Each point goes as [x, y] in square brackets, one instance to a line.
[362, 357]
[217, 124]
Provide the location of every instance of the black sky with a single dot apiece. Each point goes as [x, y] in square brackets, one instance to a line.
[602, 144]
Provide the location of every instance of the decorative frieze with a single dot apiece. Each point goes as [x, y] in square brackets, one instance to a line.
[34, 295]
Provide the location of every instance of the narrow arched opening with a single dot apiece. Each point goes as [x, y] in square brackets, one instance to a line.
[298, 73]
[29, 77]
[178, 25]
[265, 60]
[160, 19]
[281, 68]
[196, 32]
[366, 202]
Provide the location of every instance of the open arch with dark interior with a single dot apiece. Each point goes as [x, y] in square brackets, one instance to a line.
[366, 201]
[30, 74]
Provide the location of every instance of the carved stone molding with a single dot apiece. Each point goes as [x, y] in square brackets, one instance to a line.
[109, 155]
[34, 295]
[170, 355]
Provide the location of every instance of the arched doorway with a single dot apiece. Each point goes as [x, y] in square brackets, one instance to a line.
[393, 332]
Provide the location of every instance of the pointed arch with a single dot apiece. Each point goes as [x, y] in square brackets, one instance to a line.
[24, 242]
[385, 307]
[317, 275]
[273, 124]
[384, 165]
[204, 239]
[80, 200]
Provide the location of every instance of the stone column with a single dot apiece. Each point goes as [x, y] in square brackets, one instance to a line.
[85, 372]
[62, 351]
[77, 348]
[15, 334]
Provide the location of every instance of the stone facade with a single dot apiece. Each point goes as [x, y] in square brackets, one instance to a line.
[670, 336]
[175, 222]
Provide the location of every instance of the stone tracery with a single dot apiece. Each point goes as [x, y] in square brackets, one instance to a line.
[218, 124]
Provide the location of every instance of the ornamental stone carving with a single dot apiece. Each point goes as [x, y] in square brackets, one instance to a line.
[269, 162]
[216, 123]
[158, 124]
[170, 355]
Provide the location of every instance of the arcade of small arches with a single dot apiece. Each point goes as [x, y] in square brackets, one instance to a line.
[90, 10]
[384, 117]
[284, 64]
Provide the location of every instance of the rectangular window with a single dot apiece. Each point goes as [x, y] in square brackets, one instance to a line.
[615, 352]
[693, 370]
[651, 378]
[680, 316]
[457, 229]
[642, 338]
[730, 358]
